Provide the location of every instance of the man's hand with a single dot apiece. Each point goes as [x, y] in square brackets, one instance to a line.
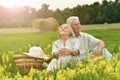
[96, 52]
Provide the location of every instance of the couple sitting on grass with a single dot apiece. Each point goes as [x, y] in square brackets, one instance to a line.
[73, 44]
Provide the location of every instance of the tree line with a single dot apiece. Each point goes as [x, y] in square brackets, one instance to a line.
[96, 13]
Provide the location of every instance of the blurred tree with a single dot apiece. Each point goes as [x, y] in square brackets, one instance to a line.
[96, 13]
[44, 12]
[58, 15]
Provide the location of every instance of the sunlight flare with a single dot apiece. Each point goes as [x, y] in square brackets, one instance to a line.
[12, 3]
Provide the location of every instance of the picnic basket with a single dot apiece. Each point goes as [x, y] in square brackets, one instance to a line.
[26, 62]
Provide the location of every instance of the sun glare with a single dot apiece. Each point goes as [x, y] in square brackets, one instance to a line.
[12, 3]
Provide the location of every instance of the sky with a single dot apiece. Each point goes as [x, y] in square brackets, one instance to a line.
[53, 4]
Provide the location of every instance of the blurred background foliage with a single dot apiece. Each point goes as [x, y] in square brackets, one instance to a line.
[96, 13]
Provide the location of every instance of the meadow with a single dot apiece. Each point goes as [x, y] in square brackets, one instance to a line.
[20, 42]
[99, 68]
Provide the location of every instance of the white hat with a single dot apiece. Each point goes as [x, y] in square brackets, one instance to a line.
[37, 53]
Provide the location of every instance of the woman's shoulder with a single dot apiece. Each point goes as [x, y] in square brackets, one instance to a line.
[56, 41]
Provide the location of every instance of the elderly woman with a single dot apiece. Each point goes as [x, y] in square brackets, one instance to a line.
[64, 50]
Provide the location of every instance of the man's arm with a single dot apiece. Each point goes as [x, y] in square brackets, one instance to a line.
[100, 46]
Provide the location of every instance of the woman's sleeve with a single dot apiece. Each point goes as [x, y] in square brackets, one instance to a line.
[54, 47]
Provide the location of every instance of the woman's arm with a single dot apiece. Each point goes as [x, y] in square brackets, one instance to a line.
[57, 53]
[66, 51]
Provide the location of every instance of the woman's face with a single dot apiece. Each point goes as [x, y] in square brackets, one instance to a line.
[64, 30]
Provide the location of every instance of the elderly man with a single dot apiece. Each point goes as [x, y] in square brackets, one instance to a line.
[87, 41]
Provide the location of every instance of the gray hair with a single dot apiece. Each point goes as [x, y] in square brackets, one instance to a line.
[69, 24]
[72, 18]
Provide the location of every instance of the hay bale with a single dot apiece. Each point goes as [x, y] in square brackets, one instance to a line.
[25, 62]
[35, 24]
[49, 24]
[53, 24]
[41, 24]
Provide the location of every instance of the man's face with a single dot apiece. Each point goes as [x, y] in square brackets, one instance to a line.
[76, 26]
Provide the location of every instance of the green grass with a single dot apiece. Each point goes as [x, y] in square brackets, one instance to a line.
[22, 41]
[11, 44]
[111, 37]
[101, 26]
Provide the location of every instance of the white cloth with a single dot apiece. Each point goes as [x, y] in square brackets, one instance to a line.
[66, 61]
[62, 62]
[88, 42]
[52, 66]
[71, 43]
[104, 53]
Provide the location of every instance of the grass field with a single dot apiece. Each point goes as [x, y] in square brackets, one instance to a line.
[84, 27]
[14, 41]
[111, 37]
[19, 38]
[101, 26]
[20, 42]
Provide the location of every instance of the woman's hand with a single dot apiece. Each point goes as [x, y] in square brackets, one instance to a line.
[64, 52]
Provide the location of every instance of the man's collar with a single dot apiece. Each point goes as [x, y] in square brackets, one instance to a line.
[79, 34]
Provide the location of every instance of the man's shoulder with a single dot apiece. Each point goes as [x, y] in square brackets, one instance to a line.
[84, 34]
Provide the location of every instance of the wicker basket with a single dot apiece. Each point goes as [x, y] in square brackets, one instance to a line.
[25, 62]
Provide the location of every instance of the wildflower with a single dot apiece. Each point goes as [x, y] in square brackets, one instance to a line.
[108, 70]
[102, 63]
